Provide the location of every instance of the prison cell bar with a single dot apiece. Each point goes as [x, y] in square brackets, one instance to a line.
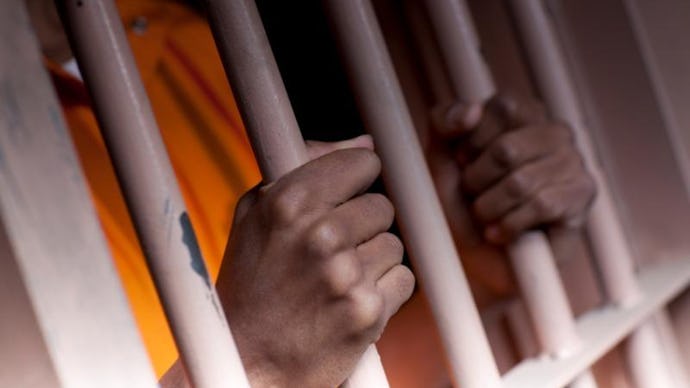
[530, 255]
[603, 228]
[54, 260]
[187, 293]
[434, 70]
[409, 183]
[268, 117]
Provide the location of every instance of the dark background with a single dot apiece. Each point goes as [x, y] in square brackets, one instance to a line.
[308, 60]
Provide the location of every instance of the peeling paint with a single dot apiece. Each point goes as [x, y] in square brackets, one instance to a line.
[189, 239]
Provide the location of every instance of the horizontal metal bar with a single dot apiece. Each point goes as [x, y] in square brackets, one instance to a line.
[601, 330]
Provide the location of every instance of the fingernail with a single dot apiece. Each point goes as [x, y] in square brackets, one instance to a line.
[463, 117]
[364, 141]
[473, 115]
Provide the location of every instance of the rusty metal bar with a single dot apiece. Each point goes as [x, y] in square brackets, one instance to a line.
[644, 351]
[409, 183]
[268, 117]
[189, 298]
[531, 255]
[60, 290]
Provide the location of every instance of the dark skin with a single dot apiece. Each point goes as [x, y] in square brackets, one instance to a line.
[310, 275]
[333, 239]
[519, 170]
[466, 148]
[503, 168]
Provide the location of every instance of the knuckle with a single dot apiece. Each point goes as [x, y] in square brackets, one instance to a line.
[341, 275]
[246, 202]
[367, 308]
[404, 283]
[324, 239]
[505, 152]
[504, 103]
[393, 245]
[546, 207]
[368, 159]
[246, 199]
[285, 204]
[379, 204]
[518, 185]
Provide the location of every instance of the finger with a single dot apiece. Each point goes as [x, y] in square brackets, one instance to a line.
[321, 184]
[379, 255]
[356, 221]
[517, 110]
[341, 273]
[365, 307]
[246, 202]
[550, 205]
[396, 286]
[484, 133]
[504, 112]
[455, 119]
[317, 149]
[510, 151]
[370, 306]
[520, 186]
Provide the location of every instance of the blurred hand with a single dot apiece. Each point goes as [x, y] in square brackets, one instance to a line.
[519, 170]
[310, 275]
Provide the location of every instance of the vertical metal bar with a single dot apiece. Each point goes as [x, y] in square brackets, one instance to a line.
[671, 345]
[530, 255]
[369, 372]
[268, 117]
[51, 242]
[189, 298]
[605, 232]
[425, 43]
[427, 235]
[259, 91]
[520, 326]
[24, 358]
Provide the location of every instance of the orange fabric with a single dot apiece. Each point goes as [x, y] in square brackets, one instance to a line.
[204, 136]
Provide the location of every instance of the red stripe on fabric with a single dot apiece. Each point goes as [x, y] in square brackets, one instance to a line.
[207, 91]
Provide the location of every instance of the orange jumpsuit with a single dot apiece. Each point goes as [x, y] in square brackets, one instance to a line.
[204, 136]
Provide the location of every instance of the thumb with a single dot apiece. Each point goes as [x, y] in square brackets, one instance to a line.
[456, 118]
[316, 149]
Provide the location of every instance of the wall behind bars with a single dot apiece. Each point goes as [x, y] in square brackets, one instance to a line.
[635, 148]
